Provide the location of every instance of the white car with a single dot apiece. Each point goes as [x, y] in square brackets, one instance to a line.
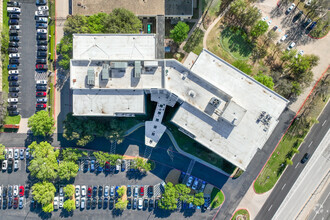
[13, 100]
[14, 55]
[56, 202]
[77, 190]
[61, 202]
[13, 10]
[10, 153]
[42, 31]
[27, 153]
[291, 46]
[41, 13]
[43, 8]
[140, 203]
[290, 8]
[42, 100]
[61, 191]
[0, 191]
[190, 180]
[77, 202]
[282, 38]
[106, 191]
[13, 72]
[42, 82]
[83, 191]
[16, 154]
[16, 165]
[195, 184]
[14, 27]
[269, 22]
[4, 165]
[82, 203]
[300, 53]
[15, 190]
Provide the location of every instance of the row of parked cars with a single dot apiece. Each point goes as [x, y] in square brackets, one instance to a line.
[11, 159]
[94, 166]
[13, 196]
[14, 11]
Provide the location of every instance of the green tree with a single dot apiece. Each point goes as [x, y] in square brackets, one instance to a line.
[69, 205]
[295, 89]
[288, 161]
[4, 40]
[69, 190]
[259, 29]
[41, 123]
[67, 170]
[238, 7]
[251, 16]
[43, 192]
[96, 23]
[169, 198]
[2, 152]
[288, 55]
[76, 24]
[295, 150]
[243, 66]
[199, 199]
[48, 208]
[72, 154]
[142, 164]
[121, 191]
[44, 164]
[121, 204]
[180, 32]
[103, 157]
[183, 192]
[121, 20]
[265, 80]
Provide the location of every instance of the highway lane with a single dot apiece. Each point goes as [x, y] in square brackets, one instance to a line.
[290, 175]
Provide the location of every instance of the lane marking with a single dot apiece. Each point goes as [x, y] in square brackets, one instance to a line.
[296, 165]
[316, 213]
[310, 144]
[270, 208]
[283, 186]
[324, 122]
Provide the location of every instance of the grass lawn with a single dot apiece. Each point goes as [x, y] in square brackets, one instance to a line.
[297, 132]
[195, 42]
[51, 31]
[51, 99]
[12, 120]
[5, 57]
[217, 198]
[235, 43]
[242, 212]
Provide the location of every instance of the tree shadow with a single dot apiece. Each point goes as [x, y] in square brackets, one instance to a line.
[116, 212]
[136, 175]
[65, 214]
[44, 215]
[160, 213]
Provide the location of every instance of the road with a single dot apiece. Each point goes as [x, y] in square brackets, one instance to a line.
[290, 175]
[321, 210]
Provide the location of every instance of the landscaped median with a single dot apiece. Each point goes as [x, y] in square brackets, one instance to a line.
[295, 135]
[217, 198]
[241, 214]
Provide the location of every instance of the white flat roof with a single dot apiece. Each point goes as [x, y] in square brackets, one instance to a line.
[114, 46]
[92, 102]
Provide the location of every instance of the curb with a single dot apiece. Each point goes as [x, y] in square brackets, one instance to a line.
[287, 131]
[239, 210]
[216, 214]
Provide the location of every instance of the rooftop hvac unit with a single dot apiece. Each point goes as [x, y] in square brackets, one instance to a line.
[119, 65]
[137, 69]
[184, 75]
[192, 93]
[105, 71]
[215, 102]
[90, 76]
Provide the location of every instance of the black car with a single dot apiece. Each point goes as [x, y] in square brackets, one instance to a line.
[12, 49]
[42, 42]
[94, 191]
[111, 203]
[156, 203]
[32, 206]
[42, 37]
[86, 165]
[94, 202]
[14, 16]
[27, 166]
[105, 203]
[13, 38]
[305, 158]
[41, 2]
[12, 113]
[12, 78]
[15, 84]
[4, 203]
[13, 89]
[88, 204]
[4, 191]
[10, 202]
[100, 191]
[99, 203]
[151, 191]
[14, 61]
[44, 48]
[129, 190]
[129, 204]
[13, 32]
[13, 21]
[14, 4]
[145, 203]
[151, 204]
[27, 191]
[306, 23]
[42, 54]
[13, 44]
[41, 88]
[13, 95]
[123, 165]
[42, 61]
[41, 25]
[10, 169]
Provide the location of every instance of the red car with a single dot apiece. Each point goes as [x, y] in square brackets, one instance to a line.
[142, 191]
[21, 191]
[89, 192]
[15, 202]
[41, 105]
[41, 94]
[41, 67]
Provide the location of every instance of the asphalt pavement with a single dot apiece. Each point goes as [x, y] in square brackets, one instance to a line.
[290, 175]
[322, 209]
[28, 50]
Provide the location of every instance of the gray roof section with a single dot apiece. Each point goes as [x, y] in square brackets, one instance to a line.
[160, 27]
[178, 7]
[105, 71]
[90, 76]
[137, 69]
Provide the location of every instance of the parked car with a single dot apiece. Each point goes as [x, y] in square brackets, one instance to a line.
[150, 191]
[300, 53]
[41, 2]
[203, 186]
[16, 161]
[129, 203]
[56, 202]
[306, 23]
[141, 191]
[112, 191]
[140, 204]
[41, 61]
[136, 192]
[290, 8]
[12, 100]
[297, 17]
[42, 31]
[41, 13]
[42, 42]
[14, 4]
[89, 192]
[13, 72]
[13, 21]
[15, 204]
[42, 100]
[123, 165]
[14, 61]
[111, 203]
[305, 158]
[195, 184]
[77, 189]
[41, 36]
[94, 191]
[151, 204]
[291, 46]
[13, 94]
[41, 105]
[13, 83]
[190, 180]
[13, 38]
[15, 190]
[4, 165]
[100, 191]
[86, 165]
[14, 89]
[129, 190]
[83, 190]
[14, 16]
[20, 204]
[145, 203]
[13, 32]
[41, 88]
[42, 26]
[12, 107]
[14, 27]
[12, 113]
[41, 94]
[88, 204]
[61, 202]
[12, 50]
[311, 26]
[21, 191]
[41, 20]
[13, 10]
[43, 48]
[14, 55]
[82, 203]
[13, 44]
[12, 67]
[92, 166]
[27, 153]
[77, 202]
[134, 203]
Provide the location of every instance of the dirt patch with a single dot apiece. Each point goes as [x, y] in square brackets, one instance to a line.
[173, 176]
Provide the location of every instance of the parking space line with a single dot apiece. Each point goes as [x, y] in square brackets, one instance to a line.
[296, 165]
[310, 144]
